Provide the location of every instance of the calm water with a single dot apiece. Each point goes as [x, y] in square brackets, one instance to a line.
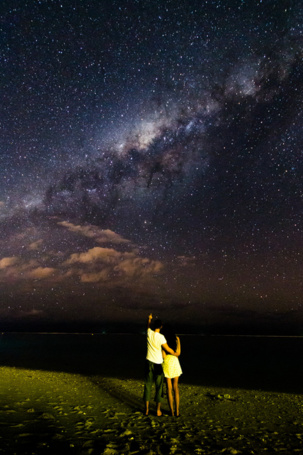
[269, 363]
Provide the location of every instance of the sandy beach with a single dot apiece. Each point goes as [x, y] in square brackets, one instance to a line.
[83, 395]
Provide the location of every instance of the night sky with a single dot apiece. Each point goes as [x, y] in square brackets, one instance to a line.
[151, 159]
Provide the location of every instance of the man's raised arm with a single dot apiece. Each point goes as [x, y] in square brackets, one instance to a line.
[149, 320]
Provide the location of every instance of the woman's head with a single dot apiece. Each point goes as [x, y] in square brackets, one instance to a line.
[170, 335]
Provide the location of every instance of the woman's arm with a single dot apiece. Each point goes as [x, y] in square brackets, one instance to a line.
[178, 349]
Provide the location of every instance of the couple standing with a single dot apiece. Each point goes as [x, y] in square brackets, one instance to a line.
[162, 360]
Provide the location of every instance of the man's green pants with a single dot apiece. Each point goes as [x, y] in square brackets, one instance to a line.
[153, 373]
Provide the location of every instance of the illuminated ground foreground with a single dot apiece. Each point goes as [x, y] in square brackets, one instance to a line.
[50, 412]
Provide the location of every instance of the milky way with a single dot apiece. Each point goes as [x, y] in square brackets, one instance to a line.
[151, 159]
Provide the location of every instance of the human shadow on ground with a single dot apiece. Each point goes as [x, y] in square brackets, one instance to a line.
[133, 400]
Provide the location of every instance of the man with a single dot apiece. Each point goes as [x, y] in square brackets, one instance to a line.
[153, 367]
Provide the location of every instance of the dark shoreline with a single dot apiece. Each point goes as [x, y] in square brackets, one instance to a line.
[143, 333]
[185, 326]
[271, 363]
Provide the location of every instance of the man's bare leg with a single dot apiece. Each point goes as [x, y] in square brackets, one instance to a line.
[146, 408]
[159, 413]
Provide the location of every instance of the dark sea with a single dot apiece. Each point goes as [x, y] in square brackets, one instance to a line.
[250, 362]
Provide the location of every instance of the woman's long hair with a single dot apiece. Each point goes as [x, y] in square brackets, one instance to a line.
[170, 336]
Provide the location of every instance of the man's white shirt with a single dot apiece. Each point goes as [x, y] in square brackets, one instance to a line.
[154, 343]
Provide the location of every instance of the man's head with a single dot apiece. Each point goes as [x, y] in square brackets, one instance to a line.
[157, 324]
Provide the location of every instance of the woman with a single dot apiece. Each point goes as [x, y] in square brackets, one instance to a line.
[172, 369]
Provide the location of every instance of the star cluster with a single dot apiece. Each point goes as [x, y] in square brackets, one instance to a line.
[151, 156]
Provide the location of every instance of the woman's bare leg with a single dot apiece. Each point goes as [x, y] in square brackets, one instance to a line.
[176, 392]
[170, 395]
